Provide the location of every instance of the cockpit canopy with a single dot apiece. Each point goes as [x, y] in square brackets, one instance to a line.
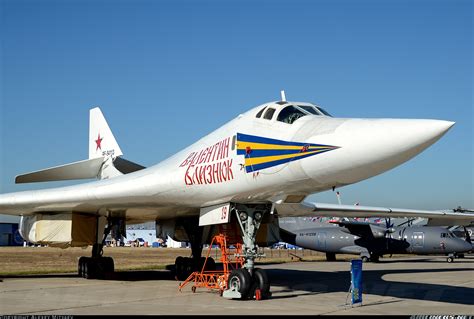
[289, 112]
[448, 234]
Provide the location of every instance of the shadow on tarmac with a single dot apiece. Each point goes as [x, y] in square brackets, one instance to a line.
[427, 259]
[305, 282]
[313, 282]
[128, 275]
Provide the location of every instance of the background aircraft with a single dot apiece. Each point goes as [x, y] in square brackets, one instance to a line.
[371, 240]
[264, 161]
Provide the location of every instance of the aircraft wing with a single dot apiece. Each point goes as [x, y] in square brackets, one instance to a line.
[446, 217]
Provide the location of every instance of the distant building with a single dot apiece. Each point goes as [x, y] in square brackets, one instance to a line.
[148, 235]
[9, 234]
[147, 231]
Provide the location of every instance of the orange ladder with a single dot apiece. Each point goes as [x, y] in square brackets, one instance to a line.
[216, 279]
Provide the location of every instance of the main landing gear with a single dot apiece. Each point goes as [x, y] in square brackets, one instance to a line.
[97, 266]
[185, 266]
[249, 282]
[451, 257]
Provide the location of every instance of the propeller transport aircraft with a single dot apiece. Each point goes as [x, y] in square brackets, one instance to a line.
[371, 240]
[245, 174]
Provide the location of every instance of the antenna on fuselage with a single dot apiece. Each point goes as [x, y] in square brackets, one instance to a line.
[283, 97]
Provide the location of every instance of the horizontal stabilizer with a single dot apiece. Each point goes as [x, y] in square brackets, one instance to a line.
[79, 170]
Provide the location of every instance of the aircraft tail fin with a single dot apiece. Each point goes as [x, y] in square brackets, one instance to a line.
[102, 142]
[103, 163]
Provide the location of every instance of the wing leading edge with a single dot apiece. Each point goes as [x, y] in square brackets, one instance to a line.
[447, 217]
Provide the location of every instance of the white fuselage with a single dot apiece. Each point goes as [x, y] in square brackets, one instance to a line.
[315, 152]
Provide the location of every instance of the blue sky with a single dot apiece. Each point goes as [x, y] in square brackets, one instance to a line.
[166, 73]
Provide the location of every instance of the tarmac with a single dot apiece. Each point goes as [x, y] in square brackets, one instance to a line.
[395, 286]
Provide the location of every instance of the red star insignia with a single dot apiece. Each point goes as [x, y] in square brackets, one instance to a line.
[98, 141]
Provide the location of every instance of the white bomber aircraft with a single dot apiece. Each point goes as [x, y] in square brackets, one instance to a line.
[256, 167]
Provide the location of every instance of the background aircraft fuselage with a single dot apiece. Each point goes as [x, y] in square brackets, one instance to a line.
[408, 239]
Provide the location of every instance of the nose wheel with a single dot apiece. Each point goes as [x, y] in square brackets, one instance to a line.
[260, 288]
[239, 282]
[249, 282]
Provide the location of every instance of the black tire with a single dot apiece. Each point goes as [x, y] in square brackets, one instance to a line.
[189, 266]
[102, 265]
[261, 282]
[80, 266]
[110, 266]
[89, 269]
[450, 259]
[180, 268]
[239, 279]
[330, 256]
[365, 259]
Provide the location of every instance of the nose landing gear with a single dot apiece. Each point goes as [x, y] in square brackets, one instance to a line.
[244, 281]
[249, 282]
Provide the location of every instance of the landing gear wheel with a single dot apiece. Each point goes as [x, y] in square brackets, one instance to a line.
[109, 262]
[260, 288]
[95, 267]
[80, 266]
[89, 271]
[450, 259]
[239, 280]
[179, 268]
[365, 259]
[102, 265]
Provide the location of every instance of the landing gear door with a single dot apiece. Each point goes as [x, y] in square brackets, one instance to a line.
[214, 215]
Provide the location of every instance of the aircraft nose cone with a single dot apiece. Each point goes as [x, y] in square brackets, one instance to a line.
[427, 131]
[394, 141]
[395, 136]
[391, 142]
[368, 147]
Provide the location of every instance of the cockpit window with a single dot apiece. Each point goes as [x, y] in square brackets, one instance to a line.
[289, 114]
[310, 109]
[269, 113]
[260, 113]
[320, 109]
